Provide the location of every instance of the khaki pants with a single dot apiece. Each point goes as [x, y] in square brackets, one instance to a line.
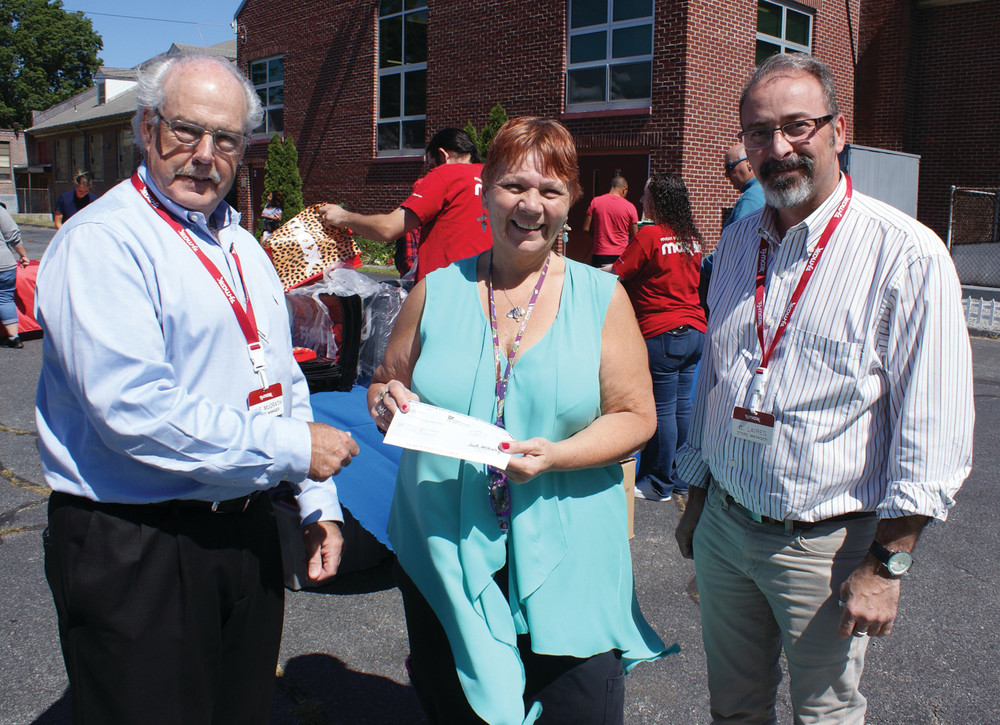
[762, 590]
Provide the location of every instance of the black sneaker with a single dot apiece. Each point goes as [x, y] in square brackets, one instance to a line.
[14, 342]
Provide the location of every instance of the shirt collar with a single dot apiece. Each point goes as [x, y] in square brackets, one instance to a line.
[750, 182]
[813, 225]
[222, 217]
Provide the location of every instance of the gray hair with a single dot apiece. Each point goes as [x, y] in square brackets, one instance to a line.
[151, 94]
[793, 64]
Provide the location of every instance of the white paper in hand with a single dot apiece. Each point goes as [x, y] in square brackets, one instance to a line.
[446, 433]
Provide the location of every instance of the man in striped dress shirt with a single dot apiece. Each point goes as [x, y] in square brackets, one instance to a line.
[833, 414]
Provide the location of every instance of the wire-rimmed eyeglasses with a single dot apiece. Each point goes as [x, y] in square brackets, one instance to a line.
[793, 131]
[190, 134]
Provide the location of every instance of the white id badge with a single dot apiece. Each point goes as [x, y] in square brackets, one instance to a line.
[753, 427]
[266, 400]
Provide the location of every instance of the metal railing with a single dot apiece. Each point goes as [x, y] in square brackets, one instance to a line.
[34, 201]
[982, 315]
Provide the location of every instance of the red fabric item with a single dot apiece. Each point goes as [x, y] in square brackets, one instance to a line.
[612, 215]
[24, 298]
[449, 203]
[303, 354]
[662, 281]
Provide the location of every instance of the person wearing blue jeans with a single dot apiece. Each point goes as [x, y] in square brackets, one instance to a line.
[673, 363]
[660, 269]
[11, 236]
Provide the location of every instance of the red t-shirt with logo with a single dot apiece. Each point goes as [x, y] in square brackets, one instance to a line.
[611, 217]
[449, 203]
[662, 281]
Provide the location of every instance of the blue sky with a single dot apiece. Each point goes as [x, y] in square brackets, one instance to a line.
[134, 32]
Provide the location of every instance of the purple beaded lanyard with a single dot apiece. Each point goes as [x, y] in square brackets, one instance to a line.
[498, 486]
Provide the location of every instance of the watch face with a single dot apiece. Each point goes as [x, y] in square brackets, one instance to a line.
[899, 563]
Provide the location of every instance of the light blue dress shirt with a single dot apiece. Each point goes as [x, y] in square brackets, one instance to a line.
[145, 370]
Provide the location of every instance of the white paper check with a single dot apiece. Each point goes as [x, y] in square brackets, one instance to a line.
[446, 433]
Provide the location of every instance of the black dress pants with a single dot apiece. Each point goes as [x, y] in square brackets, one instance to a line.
[587, 691]
[167, 614]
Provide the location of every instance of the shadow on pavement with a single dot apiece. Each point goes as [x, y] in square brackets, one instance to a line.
[317, 689]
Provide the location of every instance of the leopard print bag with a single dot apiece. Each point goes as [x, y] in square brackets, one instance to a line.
[302, 248]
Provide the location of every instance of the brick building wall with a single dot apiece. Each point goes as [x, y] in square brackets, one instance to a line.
[956, 103]
[929, 84]
[514, 52]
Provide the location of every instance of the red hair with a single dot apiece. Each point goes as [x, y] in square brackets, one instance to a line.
[549, 141]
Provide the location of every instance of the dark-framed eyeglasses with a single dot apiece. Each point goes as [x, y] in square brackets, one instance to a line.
[186, 133]
[499, 488]
[793, 131]
[730, 165]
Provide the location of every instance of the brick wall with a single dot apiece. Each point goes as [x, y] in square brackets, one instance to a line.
[956, 103]
[514, 52]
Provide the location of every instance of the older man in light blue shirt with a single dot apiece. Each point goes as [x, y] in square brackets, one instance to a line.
[169, 402]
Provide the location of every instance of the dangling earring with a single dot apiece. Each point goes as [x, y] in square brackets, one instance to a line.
[483, 220]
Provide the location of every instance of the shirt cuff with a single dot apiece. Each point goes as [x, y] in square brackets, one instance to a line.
[293, 450]
[916, 498]
[691, 467]
[318, 501]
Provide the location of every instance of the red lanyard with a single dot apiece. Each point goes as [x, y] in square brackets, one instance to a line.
[245, 317]
[807, 273]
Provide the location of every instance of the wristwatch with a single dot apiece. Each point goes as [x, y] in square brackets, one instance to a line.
[896, 563]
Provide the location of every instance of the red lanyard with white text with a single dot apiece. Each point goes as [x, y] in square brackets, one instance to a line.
[760, 376]
[245, 317]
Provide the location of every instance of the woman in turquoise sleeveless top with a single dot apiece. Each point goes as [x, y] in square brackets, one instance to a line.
[517, 584]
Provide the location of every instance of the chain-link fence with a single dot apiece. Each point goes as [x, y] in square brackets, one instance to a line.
[974, 235]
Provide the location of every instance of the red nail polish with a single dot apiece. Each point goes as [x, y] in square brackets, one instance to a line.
[505, 445]
[404, 407]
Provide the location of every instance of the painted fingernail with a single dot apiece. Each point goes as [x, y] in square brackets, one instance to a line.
[404, 407]
[504, 446]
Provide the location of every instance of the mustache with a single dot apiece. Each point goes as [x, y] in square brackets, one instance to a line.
[772, 166]
[195, 172]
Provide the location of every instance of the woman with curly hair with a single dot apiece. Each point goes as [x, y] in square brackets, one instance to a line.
[660, 270]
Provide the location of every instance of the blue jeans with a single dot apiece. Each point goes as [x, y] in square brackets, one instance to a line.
[8, 309]
[673, 359]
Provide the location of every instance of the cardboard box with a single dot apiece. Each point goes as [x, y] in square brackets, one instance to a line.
[628, 473]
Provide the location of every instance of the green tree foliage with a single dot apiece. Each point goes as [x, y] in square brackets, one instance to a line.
[281, 173]
[482, 139]
[46, 55]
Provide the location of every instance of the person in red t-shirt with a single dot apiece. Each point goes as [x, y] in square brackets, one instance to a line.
[612, 221]
[660, 270]
[446, 204]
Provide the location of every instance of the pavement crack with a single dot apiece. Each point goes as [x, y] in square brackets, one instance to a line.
[16, 480]
[15, 431]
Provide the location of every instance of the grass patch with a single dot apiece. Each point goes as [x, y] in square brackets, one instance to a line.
[375, 253]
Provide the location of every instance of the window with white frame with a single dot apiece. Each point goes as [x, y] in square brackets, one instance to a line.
[782, 29]
[78, 154]
[402, 77]
[268, 77]
[609, 54]
[4, 159]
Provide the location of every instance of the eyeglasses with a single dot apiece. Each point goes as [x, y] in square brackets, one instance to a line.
[499, 496]
[730, 165]
[190, 134]
[793, 131]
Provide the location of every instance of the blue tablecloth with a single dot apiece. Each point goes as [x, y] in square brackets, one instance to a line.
[365, 487]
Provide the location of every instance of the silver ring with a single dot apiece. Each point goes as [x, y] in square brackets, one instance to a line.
[860, 632]
[381, 410]
[381, 396]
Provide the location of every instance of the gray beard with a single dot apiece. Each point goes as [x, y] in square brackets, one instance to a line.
[788, 195]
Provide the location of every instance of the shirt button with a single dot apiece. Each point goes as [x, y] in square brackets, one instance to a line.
[769, 321]
[783, 273]
[732, 463]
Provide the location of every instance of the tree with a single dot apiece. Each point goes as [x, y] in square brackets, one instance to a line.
[46, 55]
[482, 139]
[281, 174]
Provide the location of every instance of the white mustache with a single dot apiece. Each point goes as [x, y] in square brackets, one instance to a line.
[194, 172]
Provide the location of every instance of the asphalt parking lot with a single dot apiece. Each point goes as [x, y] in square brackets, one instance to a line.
[344, 645]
